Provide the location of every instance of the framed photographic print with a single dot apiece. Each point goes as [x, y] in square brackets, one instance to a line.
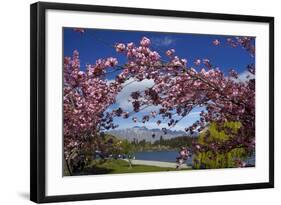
[129, 102]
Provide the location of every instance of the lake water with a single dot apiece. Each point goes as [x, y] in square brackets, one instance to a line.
[162, 156]
[170, 156]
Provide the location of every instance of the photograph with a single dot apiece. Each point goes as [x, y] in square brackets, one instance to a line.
[145, 101]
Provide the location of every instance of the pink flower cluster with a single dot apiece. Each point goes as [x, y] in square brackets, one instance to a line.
[79, 30]
[245, 42]
[86, 97]
[101, 65]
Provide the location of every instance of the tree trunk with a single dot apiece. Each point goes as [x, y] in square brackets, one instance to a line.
[68, 167]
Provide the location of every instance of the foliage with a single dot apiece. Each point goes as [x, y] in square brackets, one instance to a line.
[211, 151]
[127, 149]
[175, 143]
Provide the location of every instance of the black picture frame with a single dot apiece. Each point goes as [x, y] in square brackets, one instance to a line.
[38, 101]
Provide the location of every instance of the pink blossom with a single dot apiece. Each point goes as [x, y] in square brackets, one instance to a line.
[197, 62]
[130, 45]
[207, 63]
[184, 61]
[79, 30]
[154, 55]
[126, 71]
[145, 41]
[170, 52]
[120, 47]
[75, 54]
[176, 61]
[216, 42]
[111, 62]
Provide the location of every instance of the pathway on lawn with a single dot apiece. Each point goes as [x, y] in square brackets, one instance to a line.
[157, 163]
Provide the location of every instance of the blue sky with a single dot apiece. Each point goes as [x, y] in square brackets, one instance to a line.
[98, 43]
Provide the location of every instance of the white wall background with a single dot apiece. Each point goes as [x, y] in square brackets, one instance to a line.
[14, 100]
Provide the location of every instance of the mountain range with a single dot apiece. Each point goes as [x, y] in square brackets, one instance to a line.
[149, 135]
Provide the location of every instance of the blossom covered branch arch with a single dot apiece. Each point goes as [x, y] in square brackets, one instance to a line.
[179, 86]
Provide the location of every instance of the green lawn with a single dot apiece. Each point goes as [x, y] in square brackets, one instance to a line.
[113, 166]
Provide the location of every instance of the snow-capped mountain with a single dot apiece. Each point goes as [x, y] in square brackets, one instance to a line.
[143, 133]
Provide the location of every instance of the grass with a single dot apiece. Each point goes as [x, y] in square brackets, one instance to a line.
[118, 166]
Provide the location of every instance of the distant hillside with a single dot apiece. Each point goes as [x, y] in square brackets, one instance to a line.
[143, 133]
[175, 143]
